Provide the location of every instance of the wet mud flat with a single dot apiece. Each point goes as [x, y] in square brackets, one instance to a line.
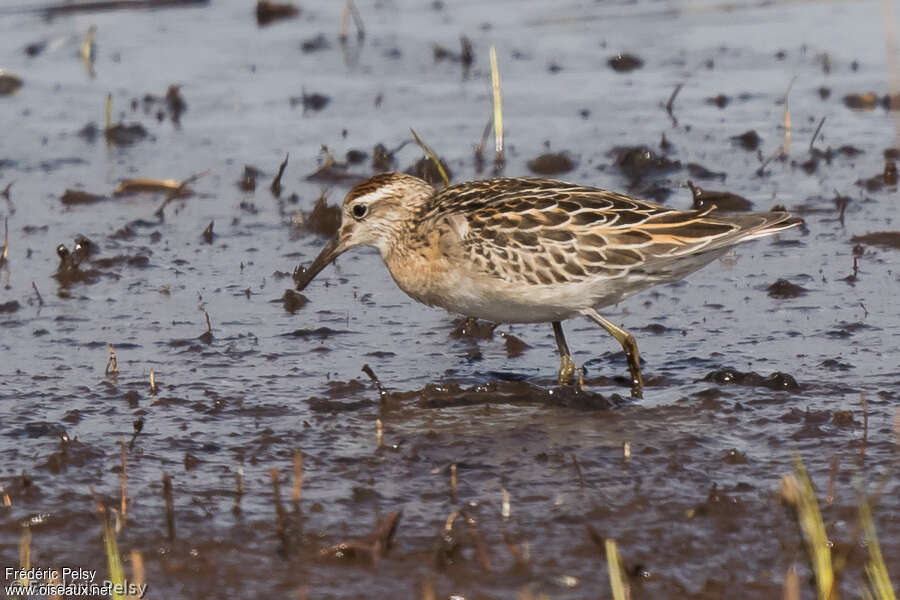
[263, 461]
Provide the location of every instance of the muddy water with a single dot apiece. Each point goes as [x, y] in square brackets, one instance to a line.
[694, 508]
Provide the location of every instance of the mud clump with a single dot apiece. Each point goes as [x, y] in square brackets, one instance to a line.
[325, 219]
[749, 140]
[293, 301]
[884, 239]
[471, 328]
[9, 307]
[551, 164]
[73, 197]
[247, 182]
[122, 134]
[776, 381]
[723, 201]
[719, 101]
[268, 12]
[640, 161]
[624, 63]
[514, 346]
[784, 289]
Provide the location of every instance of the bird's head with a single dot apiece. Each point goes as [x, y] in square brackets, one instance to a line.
[375, 213]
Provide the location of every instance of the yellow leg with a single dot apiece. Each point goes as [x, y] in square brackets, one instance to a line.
[566, 364]
[628, 345]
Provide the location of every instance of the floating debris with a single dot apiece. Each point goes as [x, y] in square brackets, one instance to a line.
[247, 182]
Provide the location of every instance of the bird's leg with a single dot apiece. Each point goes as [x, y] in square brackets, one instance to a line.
[630, 348]
[566, 364]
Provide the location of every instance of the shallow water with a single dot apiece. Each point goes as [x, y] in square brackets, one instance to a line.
[694, 509]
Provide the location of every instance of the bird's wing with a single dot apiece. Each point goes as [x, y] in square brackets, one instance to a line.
[548, 232]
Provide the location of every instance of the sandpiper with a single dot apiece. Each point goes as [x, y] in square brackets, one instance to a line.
[524, 250]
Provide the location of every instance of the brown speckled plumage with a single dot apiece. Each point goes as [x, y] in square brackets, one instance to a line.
[533, 250]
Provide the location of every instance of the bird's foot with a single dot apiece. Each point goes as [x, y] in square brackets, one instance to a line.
[567, 368]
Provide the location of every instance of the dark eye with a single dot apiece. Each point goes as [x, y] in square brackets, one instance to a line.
[360, 210]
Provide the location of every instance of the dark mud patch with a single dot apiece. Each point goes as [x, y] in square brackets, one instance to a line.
[776, 381]
[552, 164]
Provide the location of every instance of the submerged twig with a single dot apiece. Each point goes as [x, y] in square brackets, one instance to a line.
[170, 510]
[498, 110]
[381, 389]
[670, 105]
[276, 183]
[762, 168]
[39, 297]
[816, 133]
[578, 471]
[279, 511]
[432, 157]
[297, 487]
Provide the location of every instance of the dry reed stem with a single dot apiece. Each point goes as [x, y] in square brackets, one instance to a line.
[54, 581]
[787, 119]
[432, 157]
[153, 388]
[498, 108]
[865, 438]
[791, 588]
[617, 581]
[138, 577]
[379, 433]
[834, 469]
[112, 365]
[123, 506]
[5, 497]
[238, 488]
[505, 505]
[453, 482]
[25, 554]
[5, 253]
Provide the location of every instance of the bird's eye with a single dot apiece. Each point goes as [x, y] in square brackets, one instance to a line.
[360, 211]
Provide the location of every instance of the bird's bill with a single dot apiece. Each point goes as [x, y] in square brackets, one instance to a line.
[330, 252]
